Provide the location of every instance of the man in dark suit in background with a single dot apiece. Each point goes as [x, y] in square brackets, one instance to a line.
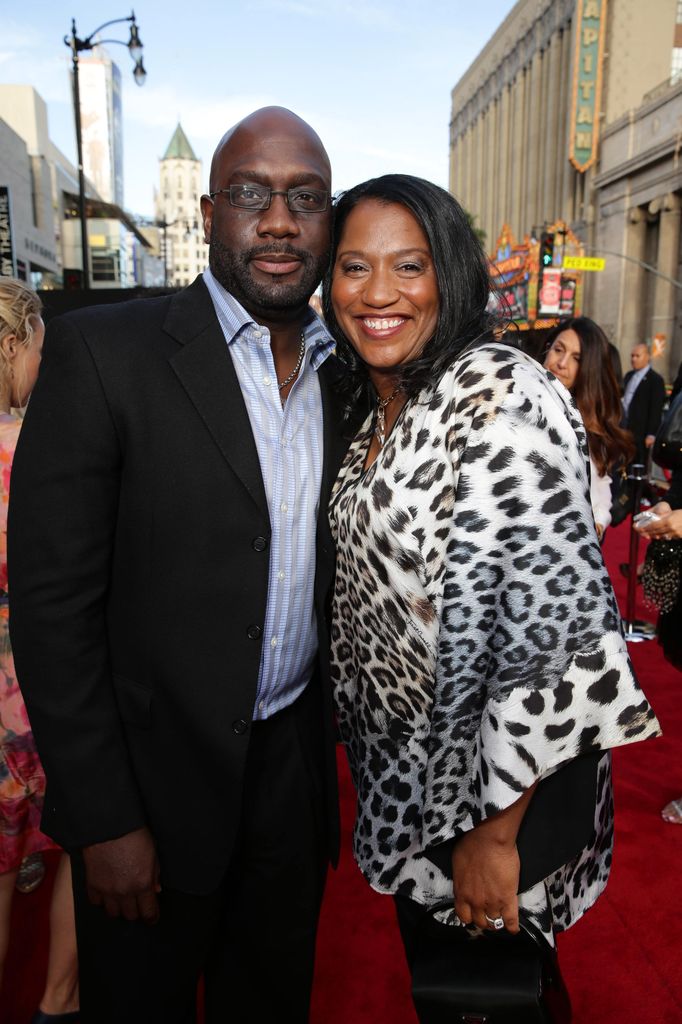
[643, 401]
[170, 563]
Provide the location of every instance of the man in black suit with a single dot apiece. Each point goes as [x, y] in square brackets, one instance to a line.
[170, 564]
[643, 401]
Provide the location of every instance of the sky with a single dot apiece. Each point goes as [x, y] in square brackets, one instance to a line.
[373, 77]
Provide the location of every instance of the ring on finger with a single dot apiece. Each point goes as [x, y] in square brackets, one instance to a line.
[495, 922]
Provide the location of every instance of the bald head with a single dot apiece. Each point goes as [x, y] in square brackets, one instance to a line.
[269, 257]
[639, 357]
[271, 124]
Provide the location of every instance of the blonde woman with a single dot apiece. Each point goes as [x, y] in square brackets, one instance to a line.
[22, 783]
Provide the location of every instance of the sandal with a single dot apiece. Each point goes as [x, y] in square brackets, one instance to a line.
[31, 873]
[672, 812]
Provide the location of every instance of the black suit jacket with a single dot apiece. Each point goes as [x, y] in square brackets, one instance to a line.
[646, 409]
[137, 580]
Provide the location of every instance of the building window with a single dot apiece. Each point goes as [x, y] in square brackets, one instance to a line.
[679, 12]
[676, 66]
[105, 265]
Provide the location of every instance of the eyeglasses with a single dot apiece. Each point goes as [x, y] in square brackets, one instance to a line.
[259, 197]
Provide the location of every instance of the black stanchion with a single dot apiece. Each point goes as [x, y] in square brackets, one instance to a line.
[635, 630]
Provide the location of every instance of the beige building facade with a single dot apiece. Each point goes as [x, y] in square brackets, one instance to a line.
[42, 187]
[178, 213]
[29, 168]
[511, 135]
[637, 199]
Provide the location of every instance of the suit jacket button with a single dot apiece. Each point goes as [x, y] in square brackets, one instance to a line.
[253, 632]
[259, 543]
[239, 727]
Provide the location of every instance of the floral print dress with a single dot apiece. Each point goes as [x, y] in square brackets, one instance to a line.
[22, 782]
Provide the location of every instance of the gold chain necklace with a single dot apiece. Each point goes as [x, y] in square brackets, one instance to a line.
[301, 353]
[382, 405]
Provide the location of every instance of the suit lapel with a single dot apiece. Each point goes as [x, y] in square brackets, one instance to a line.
[335, 441]
[205, 370]
[337, 436]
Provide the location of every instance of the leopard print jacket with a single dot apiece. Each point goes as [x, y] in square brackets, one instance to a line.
[476, 641]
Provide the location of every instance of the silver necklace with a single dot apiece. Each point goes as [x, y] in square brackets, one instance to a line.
[380, 426]
[301, 353]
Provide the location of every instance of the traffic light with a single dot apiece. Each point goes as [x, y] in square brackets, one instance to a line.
[546, 249]
[73, 279]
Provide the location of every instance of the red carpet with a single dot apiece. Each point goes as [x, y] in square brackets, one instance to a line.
[622, 962]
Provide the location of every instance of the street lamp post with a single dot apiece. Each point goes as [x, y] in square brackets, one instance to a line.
[77, 45]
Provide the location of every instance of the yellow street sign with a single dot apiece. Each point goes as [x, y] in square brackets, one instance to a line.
[584, 263]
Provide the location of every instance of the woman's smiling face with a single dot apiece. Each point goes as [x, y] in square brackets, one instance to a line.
[384, 287]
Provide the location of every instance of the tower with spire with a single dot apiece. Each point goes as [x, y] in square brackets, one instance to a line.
[178, 212]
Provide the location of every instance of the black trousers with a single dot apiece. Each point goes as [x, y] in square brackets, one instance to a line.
[254, 937]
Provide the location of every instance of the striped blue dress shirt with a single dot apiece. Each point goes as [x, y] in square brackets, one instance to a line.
[289, 440]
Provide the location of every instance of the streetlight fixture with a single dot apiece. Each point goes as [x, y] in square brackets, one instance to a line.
[78, 45]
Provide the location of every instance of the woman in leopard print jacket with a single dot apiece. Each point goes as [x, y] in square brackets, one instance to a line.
[477, 645]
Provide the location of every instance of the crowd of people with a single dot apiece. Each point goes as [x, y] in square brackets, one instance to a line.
[236, 525]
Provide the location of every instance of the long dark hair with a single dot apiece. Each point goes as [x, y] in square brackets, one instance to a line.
[597, 394]
[461, 271]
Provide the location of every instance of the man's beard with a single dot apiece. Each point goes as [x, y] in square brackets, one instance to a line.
[233, 270]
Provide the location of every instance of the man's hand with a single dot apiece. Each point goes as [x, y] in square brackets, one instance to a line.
[649, 440]
[122, 875]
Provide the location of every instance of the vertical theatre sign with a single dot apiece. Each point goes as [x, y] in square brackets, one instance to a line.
[587, 74]
[7, 266]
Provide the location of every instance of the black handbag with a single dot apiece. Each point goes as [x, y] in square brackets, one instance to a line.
[667, 450]
[464, 975]
[662, 574]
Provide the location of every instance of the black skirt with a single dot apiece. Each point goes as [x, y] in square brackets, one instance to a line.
[670, 633]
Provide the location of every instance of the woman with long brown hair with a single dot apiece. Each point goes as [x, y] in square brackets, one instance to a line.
[578, 354]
